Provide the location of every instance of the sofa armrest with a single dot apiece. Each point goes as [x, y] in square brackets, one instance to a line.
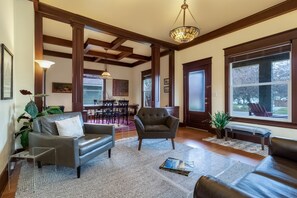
[172, 122]
[67, 151]
[99, 129]
[211, 187]
[282, 147]
[139, 125]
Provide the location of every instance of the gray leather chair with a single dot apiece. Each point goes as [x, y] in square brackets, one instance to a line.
[72, 152]
[155, 123]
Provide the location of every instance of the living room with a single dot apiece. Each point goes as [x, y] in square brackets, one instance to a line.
[17, 33]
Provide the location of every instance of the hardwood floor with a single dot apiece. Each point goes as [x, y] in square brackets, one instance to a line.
[188, 136]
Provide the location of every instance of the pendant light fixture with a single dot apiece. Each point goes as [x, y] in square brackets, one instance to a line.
[105, 74]
[184, 34]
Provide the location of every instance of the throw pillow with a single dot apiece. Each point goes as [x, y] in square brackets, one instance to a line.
[70, 127]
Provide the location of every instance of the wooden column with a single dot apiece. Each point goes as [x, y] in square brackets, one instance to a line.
[171, 77]
[38, 71]
[155, 75]
[77, 66]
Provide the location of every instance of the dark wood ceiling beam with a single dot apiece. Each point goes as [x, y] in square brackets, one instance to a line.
[139, 57]
[117, 43]
[102, 54]
[274, 11]
[98, 59]
[87, 48]
[107, 45]
[123, 55]
[35, 4]
[118, 63]
[57, 41]
[86, 58]
[165, 53]
[138, 63]
[65, 16]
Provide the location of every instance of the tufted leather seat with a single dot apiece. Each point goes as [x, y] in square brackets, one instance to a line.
[155, 123]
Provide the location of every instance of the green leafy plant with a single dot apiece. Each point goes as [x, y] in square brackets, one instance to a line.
[219, 120]
[31, 113]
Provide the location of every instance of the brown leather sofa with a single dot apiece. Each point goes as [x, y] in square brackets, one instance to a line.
[275, 176]
[152, 123]
[71, 152]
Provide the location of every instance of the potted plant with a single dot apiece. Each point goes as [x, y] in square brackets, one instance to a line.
[220, 120]
[31, 113]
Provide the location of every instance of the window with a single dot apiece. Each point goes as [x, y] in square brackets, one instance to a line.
[260, 87]
[92, 89]
[261, 80]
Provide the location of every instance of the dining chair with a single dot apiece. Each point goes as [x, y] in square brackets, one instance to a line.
[122, 111]
[108, 111]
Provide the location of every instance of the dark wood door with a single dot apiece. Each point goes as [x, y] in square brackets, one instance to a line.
[197, 93]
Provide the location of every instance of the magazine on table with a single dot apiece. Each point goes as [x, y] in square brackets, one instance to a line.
[177, 166]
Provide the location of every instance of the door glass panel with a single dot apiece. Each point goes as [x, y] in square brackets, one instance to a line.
[147, 92]
[197, 91]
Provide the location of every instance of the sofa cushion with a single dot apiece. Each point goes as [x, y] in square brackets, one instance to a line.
[48, 124]
[156, 128]
[279, 169]
[153, 116]
[262, 186]
[90, 142]
[70, 127]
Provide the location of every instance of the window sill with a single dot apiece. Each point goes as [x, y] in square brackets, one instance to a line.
[283, 124]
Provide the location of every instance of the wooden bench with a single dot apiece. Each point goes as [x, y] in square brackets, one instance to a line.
[248, 130]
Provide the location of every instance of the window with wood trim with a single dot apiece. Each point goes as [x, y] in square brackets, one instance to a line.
[260, 83]
[93, 87]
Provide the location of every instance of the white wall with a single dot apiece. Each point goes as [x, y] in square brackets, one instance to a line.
[16, 33]
[6, 106]
[61, 71]
[214, 49]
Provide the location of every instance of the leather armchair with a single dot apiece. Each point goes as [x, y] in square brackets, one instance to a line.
[72, 152]
[155, 123]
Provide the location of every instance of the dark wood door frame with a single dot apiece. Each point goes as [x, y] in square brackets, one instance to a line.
[189, 66]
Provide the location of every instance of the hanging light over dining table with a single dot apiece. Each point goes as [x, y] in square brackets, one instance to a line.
[184, 33]
[105, 74]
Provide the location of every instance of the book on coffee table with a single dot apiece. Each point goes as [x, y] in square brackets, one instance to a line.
[177, 166]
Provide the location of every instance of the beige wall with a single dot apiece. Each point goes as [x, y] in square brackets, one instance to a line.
[214, 49]
[19, 40]
[61, 71]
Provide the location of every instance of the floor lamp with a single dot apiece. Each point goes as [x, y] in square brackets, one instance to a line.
[44, 64]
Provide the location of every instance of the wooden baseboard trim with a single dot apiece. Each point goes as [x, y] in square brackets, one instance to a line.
[181, 124]
[3, 180]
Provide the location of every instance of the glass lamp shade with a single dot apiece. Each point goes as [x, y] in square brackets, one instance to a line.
[45, 64]
[106, 75]
[184, 34]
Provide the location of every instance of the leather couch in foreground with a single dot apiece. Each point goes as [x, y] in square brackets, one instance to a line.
[71, 151]
[275, 176]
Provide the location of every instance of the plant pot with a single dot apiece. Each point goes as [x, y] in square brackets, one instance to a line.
[220, 133]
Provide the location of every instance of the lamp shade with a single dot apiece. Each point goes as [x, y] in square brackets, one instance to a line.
[106, 75]
[45, 64]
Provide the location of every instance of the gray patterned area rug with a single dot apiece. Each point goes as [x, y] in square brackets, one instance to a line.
[130, 173]
[240, 144]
